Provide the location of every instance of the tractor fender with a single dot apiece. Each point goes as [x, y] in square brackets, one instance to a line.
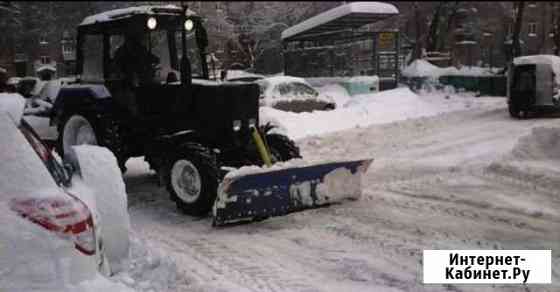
[171, 143]
[79, 98]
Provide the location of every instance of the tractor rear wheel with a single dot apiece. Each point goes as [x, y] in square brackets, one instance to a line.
[192, 178]
[82, 128]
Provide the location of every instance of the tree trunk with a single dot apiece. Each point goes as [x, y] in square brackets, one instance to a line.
[556, 28]
[434, 28]
[450, 18]
[516, 46]
[417, 47]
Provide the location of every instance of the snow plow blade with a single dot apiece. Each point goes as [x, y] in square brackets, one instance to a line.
[279, 192]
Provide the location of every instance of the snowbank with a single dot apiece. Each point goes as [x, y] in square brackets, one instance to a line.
[423, 68]
[368, 109]
[13, 104]
[552, 60]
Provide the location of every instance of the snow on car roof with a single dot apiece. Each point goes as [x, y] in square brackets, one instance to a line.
[235, 74]
[130, 11]
[553, 61]
[13, 80]
[285, 79]
[2, 70]
[46, 67]
[359, 13]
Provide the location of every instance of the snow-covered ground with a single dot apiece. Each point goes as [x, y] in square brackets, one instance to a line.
[449, 173]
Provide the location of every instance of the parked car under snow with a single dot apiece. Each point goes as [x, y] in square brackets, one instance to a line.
[292, 94]
[65, 223]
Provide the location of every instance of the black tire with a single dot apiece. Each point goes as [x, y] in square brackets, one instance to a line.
[207, 168]
[514, 111]
[107, 133]
[282, 147]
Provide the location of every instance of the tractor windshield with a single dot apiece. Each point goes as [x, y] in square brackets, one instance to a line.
[166, 45]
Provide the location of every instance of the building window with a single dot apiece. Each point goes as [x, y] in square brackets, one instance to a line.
[43, 40]
[67, 49]
[45, 60]
[532, 29]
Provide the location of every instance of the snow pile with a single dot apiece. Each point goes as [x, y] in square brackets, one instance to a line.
[362, 110]
[13, 104]
[553, 61]
[542, 144]
[534, 160]
[100, 172]
[150, 270]
[422, 68]
[468, 71]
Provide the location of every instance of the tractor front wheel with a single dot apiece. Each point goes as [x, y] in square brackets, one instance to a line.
[192, 179]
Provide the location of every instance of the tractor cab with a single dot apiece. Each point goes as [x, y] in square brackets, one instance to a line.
[143, 45]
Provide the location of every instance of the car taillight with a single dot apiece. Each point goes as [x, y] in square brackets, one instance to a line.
[69, 218]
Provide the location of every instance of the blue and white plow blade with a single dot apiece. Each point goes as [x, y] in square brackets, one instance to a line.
[273, 193]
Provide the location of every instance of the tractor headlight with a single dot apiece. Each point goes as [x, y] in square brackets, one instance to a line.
[189, 24]
[252, 122]
[236, 125]
[152, 23]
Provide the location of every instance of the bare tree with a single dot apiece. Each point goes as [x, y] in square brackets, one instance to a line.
[434, 30]
[417, 52]
[516, 45]
[556, 27]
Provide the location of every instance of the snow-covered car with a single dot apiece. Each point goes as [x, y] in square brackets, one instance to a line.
[240, 75]
[50, 90]
[30, 86]
[65, 223]
[12, 83]
[292, 94]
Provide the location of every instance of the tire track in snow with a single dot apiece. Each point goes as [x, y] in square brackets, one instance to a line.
[243, 265]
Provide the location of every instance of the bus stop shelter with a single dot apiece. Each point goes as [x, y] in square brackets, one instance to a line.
[340, 42]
